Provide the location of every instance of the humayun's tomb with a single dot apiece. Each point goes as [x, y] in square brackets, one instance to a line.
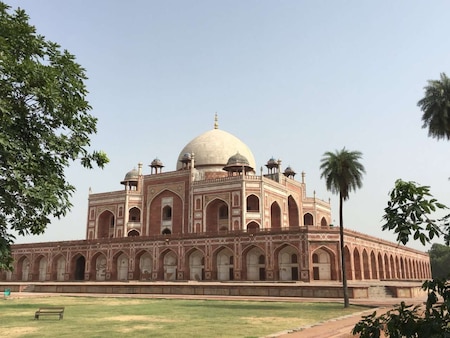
[213, 219]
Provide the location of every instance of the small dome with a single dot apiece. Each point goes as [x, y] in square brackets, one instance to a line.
[186, 158]
[272, 163]
[238, 159]
[131, 176]
[156, 163]
[238, 163]
[289, 172]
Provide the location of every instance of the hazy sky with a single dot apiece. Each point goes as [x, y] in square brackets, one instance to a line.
[291, 79]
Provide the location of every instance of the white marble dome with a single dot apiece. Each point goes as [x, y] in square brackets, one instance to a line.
[213, 148]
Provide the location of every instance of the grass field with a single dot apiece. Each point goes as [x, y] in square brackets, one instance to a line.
[138, 317]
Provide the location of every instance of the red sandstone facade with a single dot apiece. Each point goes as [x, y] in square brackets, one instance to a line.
[213, 219]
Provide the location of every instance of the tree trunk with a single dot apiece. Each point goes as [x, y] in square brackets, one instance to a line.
[341, 235]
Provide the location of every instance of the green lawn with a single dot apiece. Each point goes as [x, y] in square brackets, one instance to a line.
[137, 317]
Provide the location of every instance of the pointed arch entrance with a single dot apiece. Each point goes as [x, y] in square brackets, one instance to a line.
[105, 225]
[275, 216]
[80, 265]
[293, 212]
[99, 264]
[217, 216]
[252, 227]
[373, 265]
[196, 266]
[255, 264]
[357, 264]
[169, 259]
[42, 272]
[60, 268]
[252, 203]
[225, 264]
[381, 273]
[387, 267]
[23, 269]
[308, 219]
[121, 266]
[365, 265]
[134, 215]
[133, 233]
[288, 264]
[165, 214]
[321, 260]
[145, 266]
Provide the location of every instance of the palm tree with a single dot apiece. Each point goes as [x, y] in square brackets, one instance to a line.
[436, 108]
[343, 173]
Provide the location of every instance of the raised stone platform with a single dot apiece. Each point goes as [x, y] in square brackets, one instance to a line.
[360, 290]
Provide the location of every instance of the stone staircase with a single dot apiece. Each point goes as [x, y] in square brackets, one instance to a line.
[28, 288]
[380, 291]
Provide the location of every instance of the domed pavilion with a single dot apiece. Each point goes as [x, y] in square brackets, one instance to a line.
[215, 219]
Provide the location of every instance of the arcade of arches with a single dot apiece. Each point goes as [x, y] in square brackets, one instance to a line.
[215, 260]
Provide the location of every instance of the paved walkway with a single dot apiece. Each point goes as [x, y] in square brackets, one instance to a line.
[335, 328]
[342, 327]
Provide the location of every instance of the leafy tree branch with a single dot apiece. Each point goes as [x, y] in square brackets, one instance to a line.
[45, 125]
[409, 213]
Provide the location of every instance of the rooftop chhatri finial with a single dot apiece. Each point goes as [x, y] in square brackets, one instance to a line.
[216, 122]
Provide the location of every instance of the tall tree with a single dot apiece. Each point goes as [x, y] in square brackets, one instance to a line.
[44, 127]
[343, 173]
[436, 108]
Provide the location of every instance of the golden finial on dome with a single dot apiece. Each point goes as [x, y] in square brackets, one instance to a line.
[216, 122]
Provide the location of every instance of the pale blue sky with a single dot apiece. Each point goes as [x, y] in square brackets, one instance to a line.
[292, 79]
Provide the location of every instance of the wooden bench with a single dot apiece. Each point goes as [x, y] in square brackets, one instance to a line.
[48, 311]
